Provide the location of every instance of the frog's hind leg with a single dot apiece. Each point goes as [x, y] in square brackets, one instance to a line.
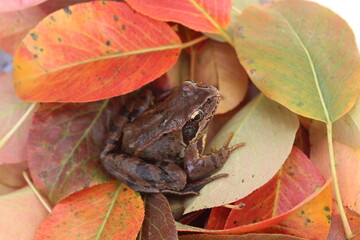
[141, 176]
[142, 101]
[197, 185]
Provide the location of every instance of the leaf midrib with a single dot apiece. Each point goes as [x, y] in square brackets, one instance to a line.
[311, 63]
[107, 216]
[77, 144]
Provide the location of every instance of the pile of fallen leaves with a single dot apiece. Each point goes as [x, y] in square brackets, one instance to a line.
[288, 73]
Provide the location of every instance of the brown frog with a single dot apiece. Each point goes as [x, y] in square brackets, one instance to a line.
[160, 148]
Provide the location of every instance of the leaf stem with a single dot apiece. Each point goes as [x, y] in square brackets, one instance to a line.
[192, 42]
[345, 222]
[17, 125]
[37, 194]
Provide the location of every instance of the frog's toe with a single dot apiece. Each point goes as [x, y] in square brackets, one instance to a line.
[198, 185]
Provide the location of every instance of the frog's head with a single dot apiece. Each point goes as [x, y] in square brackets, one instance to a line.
[200, 104]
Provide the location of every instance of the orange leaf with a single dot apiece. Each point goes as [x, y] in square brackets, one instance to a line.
[106, 211]
[204, 16]
[92, 51]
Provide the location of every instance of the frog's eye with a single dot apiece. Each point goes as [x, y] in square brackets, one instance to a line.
[197, 115]
[190, 81]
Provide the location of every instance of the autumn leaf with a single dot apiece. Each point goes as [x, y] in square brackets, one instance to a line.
[95, 59]
[11, 174]
[106, 211]
[276, 201]
[12, 138]
[250, 236]
[217, 65]
[204, 16]
[268, 130]
[15, 25]
[311, 221]
[316, 77]
[65, 142]
[297, 179]
[319, 198]
[337, 230]
[347, 166]
[159, 222]
[21, 214]
[345, 130]
[9, 5]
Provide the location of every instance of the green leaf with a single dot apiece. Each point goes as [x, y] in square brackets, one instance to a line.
[268, 129]
[301, 55]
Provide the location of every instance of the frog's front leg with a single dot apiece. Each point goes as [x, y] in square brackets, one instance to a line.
[141, 176]
[199, 167]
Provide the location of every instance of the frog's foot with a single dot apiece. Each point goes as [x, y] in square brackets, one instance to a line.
[196, 186]
[226, 145]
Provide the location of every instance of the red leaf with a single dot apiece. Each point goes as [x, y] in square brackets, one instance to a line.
[204, 16]
[296, 180]
[251, 236]
[294, 187]
[106, 211]
[311, 221]
[102, 49]
[316, 197]
[337, 228]
[64, 146]
[159, 222]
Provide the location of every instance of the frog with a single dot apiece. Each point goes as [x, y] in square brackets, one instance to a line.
[158, 147]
